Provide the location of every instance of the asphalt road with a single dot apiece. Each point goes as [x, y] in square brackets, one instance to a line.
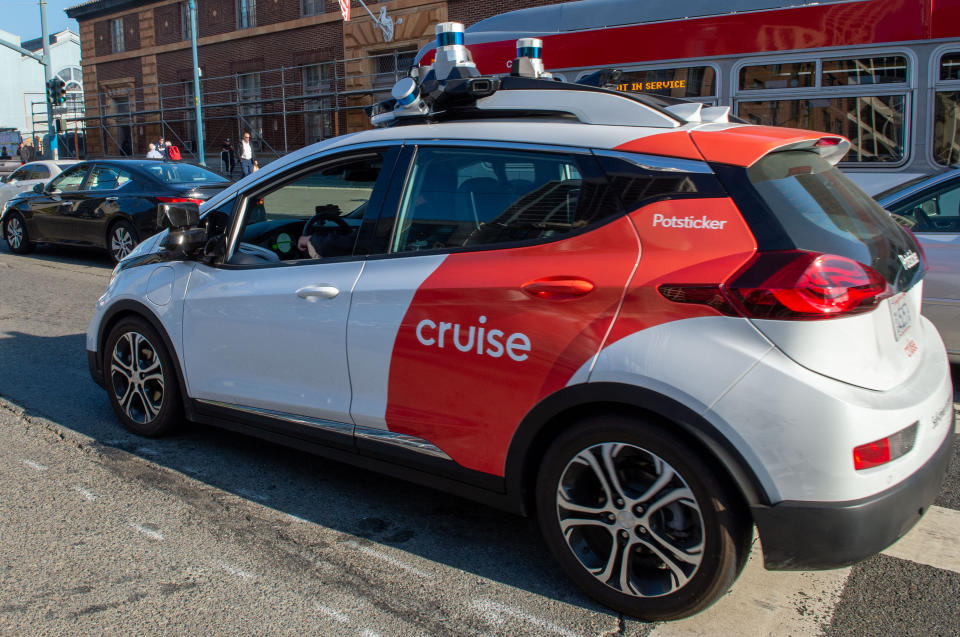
[213, 533]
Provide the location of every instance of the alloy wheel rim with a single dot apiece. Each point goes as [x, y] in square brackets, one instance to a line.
[121, 242]
[14, 233]
[630, 519]
[136, 375]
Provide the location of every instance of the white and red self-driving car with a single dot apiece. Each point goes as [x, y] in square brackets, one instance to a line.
[649, 327]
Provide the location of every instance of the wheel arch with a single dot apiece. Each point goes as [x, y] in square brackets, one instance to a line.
[127, 308]
[560, 410]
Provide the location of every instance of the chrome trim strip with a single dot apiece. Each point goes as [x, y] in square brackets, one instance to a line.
[333, 426]
[411, 443]
[484, 143]
[658, 163]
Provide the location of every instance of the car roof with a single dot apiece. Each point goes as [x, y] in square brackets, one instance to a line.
[914, 186]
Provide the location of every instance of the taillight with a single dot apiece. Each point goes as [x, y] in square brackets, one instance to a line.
[180, 200]
[878, 452]
[792, 285]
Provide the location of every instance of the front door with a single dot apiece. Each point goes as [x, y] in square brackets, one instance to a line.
[48, 211]
[265, 332]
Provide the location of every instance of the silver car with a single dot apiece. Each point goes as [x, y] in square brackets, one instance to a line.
[930, 206]
[29, 175]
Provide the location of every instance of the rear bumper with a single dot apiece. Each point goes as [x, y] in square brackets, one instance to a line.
[822, 535]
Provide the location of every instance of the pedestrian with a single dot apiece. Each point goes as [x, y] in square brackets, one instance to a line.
[173, 153]
[247, 156]
[3, 153]
[153, 153]
[228, 157]
[162, 145]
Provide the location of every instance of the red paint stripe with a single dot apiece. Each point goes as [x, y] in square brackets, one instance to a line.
[869, 22]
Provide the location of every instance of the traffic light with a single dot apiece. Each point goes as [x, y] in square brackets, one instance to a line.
[56, 91]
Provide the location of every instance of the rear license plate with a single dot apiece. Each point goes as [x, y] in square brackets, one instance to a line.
[900, 313]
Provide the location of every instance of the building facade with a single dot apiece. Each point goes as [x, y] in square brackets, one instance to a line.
[22, 82]
[291, 72]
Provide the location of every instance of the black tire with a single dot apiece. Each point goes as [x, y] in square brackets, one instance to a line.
[121, 240]
[15, 232]
[711, 530]
[146, 398]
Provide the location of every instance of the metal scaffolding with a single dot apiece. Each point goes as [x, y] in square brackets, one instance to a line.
[284, 108]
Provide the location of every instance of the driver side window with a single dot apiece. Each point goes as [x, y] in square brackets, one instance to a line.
[316, 214]
[939, 212]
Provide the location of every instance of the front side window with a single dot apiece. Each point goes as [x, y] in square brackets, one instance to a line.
[70, 180]
[938, 211]
[246, 14]
[116, 36]
[21, 174]
[458, 197]
[108, 178]
[317, 214]
[685, 82]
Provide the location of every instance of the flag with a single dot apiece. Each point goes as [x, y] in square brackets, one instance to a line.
[345, 10]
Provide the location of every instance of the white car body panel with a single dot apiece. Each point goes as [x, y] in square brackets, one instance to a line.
[9, 190]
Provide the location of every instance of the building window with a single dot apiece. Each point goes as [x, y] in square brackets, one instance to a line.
[389, 67]
[318, 105]
[865, 99]
[248, 86]
[116, 36]
[246, 14]
[312, 7]
[946, 111]
[184, 21]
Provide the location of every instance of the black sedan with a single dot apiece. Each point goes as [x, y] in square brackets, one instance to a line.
[110, 204]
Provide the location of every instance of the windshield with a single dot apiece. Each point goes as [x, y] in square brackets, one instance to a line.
[171, 173]
[821, 210]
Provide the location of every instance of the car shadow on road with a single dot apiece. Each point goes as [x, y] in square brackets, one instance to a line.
[47, 377]
[75, 255]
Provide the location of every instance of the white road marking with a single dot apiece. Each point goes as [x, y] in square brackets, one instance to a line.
[765, 603]
[86, 494]
[496, 613]
[366, 550]
[934, 541]
[34, 465]
[333, 614]
[233, 570]
[150, 532]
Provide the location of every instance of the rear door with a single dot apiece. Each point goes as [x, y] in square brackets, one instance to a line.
[98, 204]
[935, 215]
[501, 271]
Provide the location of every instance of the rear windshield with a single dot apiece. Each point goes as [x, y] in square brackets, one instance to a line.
[171, 173]
[821, 210]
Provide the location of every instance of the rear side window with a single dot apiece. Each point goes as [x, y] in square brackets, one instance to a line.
[821, 210]
[468, 197]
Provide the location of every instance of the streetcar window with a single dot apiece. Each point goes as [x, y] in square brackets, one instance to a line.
[774, 76]
[875, 125]
[889, 69]
[946, 112]
[950, 66]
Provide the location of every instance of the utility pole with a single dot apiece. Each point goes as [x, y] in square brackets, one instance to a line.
[48, 75]
[196, 80]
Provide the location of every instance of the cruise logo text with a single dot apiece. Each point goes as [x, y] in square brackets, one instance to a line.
[477, 338]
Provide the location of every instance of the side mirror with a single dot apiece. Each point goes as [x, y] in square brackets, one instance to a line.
[38, 188]
[185, 239]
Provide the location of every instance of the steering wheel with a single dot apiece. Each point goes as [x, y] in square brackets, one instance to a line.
[325, 213]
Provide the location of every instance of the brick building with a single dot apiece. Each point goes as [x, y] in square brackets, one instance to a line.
[291, 71]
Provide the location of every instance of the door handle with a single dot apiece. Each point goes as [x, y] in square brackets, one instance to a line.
[111, 198]
[314, 292]
[558, 288]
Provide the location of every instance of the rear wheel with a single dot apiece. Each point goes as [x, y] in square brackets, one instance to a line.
[122, 240]
[639, 520]
[141, 379]
[15, 232]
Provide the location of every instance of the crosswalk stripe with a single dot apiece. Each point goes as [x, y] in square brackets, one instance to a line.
[934, 541]
[766, 603]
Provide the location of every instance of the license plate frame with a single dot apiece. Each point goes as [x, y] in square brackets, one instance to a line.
[900, 315]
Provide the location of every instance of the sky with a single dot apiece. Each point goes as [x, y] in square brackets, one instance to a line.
[22, 17]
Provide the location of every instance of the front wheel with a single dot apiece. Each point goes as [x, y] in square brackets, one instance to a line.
[141, 379]
[15, 232]
[639, 520]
